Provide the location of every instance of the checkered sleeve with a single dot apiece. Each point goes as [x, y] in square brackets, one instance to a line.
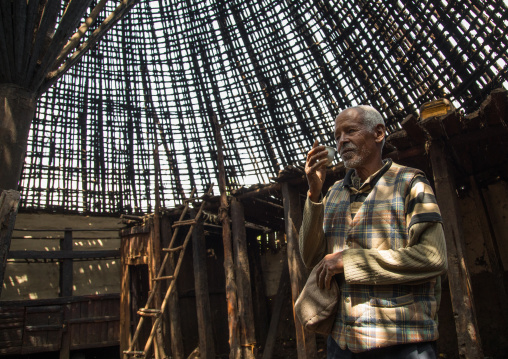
[421, 204]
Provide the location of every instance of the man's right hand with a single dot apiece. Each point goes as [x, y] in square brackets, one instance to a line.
[315, 169]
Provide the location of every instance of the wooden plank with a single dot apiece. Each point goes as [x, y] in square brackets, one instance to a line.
[206, 342]
[305, 341]
[66, 266]
[468, 335]
[20, 16]
[9, 201]
[245, 309]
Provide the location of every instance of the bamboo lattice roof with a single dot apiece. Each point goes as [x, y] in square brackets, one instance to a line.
[273, 73]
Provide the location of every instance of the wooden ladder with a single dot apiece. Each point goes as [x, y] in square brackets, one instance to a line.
[157, 313]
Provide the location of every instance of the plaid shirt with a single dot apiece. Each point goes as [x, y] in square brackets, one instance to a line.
[374, 316]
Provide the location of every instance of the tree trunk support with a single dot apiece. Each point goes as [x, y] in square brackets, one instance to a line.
[245, 308]
[468, 335]
[231, 289]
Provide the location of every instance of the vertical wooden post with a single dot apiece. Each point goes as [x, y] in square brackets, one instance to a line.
[65, 346]
[231, 290]
[259, 299]
[245, 311]
[66, 279]
[468, 336]
[305, 341]
[173, 312]
[66, 265]
[282, 293]
[9, 201]
[206, 344]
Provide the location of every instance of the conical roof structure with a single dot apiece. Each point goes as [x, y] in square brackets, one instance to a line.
[273, 74]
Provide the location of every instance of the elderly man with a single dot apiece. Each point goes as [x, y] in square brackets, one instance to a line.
[379, 233]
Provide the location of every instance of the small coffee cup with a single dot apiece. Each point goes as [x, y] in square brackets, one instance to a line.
[331, 154]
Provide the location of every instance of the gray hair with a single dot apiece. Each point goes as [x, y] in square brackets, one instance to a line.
[371, 116]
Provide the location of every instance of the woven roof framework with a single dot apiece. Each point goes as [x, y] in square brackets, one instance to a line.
[274, 74]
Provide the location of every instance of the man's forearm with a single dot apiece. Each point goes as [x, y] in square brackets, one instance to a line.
[424, 260]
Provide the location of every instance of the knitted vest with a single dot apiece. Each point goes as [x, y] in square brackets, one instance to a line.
[374, 316]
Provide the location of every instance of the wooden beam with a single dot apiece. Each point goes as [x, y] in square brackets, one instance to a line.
[64, 254]
[274, 187]
[231, 289]
[245, 310]
[9, 201]
[206, 343]
[305, 341]
[78, 35]
[103, 28]
[66, 273]
[44, 29]
[68, 23]
[468, 335]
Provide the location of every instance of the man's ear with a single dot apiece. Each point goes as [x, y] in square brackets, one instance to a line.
[380, 132]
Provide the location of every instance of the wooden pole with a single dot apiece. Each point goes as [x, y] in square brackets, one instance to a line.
[245, 308]
[231, 290]
[9, 201]
[206, 344]
[468, 336]
[305, 341]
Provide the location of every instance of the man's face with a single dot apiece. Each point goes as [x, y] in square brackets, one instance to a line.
[356, 143]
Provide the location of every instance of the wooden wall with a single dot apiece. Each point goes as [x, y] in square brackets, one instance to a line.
[59, 324]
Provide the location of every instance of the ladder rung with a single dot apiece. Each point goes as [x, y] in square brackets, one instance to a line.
[184, 223]
[174, 249]
[149, 312]
[134, 352]
[165, 277]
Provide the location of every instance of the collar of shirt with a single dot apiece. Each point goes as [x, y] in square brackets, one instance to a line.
[353, 182]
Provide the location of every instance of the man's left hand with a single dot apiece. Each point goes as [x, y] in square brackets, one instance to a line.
[330, 265]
